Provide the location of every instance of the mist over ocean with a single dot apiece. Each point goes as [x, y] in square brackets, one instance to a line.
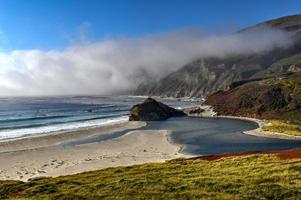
[23, 116]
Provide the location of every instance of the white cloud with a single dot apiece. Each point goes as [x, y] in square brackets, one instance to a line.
[117, 65]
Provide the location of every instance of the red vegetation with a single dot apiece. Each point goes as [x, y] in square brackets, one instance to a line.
[274, 98]
[283, 154]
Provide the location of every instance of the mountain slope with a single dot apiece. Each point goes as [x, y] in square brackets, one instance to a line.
[205, 76]
[273, 98]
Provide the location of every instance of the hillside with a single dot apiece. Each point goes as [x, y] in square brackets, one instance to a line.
[243, 177]
[273, 98]
[205, 76]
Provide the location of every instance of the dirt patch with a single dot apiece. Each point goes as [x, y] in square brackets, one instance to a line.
[289, 154]
[283, 154]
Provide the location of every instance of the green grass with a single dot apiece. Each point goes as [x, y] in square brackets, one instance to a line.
[282, 127]
[248, 177]
[292, 60]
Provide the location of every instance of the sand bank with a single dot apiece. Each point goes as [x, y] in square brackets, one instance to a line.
[40, 156]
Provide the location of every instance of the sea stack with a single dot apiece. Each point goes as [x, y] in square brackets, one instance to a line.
[152, 110]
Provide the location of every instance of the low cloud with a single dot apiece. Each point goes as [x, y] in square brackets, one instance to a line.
[117, 65]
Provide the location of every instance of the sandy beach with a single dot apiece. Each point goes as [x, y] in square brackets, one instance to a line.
[40, 156]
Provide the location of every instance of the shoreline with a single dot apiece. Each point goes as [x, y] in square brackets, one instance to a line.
[62, 131]
[55, 138]
[258, 132]
[40, 156]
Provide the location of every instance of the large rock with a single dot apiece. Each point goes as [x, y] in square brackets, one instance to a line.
[196, 110]
[151, 110]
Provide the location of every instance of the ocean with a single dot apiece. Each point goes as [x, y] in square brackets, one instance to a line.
[24, 116]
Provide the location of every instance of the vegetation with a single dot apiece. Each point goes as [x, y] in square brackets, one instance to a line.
[292, 60]
[244, 177]
[282, 127]
[273, 99]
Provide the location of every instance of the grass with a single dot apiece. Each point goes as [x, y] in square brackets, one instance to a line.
[292, 60]
[282, 127]
[246, 177]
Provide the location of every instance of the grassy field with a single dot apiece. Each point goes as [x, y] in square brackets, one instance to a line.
[245, 177]
[282, 127]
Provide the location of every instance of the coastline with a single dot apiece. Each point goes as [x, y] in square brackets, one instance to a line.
[258, 132]
[34, 157]
[41, 155]
[55, 138]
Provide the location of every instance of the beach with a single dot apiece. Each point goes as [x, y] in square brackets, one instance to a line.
[45, 155]
[53, 136]
[34, 157]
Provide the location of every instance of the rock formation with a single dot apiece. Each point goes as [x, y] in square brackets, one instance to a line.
[196, 110]
[152, 110]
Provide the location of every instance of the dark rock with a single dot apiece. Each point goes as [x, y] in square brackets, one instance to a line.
[152, 110]
[194, 110]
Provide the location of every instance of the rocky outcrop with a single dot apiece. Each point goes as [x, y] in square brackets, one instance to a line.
[294, 69]
[152, 110]
[196, 110]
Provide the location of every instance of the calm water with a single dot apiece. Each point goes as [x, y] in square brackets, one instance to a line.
[27, 116]
[206, 136]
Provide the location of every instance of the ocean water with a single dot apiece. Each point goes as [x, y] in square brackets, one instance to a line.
[23, 116]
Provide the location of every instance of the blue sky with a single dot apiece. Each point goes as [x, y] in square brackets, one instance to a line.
[55, 24]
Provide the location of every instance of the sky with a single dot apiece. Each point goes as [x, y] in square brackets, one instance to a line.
[100, 47]
[55, 24]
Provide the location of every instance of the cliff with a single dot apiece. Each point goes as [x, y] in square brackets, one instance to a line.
[207, 75]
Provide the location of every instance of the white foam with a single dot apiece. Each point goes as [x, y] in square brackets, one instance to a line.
[138, 96]
[11, 134]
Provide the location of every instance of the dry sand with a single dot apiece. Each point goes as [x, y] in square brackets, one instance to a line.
[40, 156]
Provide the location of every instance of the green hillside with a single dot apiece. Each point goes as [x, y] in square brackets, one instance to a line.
[204, 76]
[273, 98]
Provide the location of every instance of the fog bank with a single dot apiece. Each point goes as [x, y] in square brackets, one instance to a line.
[117, 65]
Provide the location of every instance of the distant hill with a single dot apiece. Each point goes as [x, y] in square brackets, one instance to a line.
[205, 76]
[272, 98]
